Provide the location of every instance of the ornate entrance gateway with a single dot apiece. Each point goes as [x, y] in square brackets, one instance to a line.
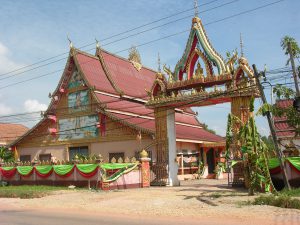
[200, 78]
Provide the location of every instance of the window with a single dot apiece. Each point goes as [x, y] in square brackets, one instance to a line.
[82, 150]
[116, 155]
[45, 157]
[25, 158]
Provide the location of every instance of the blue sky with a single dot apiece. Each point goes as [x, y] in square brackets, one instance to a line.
[35, 30]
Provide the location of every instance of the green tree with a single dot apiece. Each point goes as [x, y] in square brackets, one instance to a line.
[294, 47]
[6, 155]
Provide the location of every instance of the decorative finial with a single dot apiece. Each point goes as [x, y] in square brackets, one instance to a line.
[70, 42]
[97, 43]
[196, 7]
[241, 45]
[158, 62]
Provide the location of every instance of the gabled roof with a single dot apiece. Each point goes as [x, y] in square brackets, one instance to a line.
[9, 132]
[282, 128]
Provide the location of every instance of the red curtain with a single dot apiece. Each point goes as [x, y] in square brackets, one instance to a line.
[8, 173]
[43, 175]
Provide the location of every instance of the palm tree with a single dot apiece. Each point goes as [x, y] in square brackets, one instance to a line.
[294, 47]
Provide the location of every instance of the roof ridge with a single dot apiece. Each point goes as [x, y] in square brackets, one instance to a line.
[123, 58]
[85, 53]
[107, 72]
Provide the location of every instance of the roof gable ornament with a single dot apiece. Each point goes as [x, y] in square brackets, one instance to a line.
[241, 45]
[158, 62]
[70, 42]
[97, 44]
[135, 58]
[196, 8]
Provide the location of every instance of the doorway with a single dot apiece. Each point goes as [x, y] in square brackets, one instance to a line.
[210, 159]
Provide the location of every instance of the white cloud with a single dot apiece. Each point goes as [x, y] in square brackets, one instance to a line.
[5, 110]
[6, 63]
[32, 105]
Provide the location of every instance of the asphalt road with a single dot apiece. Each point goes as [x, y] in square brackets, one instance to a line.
[40, 217]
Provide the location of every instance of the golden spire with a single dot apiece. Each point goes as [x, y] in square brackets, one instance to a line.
[196, 8]
[158, 62]
[241, 45]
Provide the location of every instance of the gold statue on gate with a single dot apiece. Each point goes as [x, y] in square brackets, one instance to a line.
[199, 71]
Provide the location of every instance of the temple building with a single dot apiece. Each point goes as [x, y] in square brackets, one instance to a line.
[98, 107]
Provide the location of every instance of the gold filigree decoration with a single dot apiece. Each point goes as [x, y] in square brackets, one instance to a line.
[135, 58]
[136, 65]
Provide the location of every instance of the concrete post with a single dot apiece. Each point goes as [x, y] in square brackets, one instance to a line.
[172, 165]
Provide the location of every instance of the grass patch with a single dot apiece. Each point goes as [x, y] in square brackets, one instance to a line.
[28, 191]
[282, 201]
[215, 195]
[293, 192]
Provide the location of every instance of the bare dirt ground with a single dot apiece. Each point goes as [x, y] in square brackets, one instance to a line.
[192, 201]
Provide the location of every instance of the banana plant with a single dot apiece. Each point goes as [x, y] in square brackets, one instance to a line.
[254, 152]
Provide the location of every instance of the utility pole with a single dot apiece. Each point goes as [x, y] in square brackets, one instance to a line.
[272, 129]
[294, 69]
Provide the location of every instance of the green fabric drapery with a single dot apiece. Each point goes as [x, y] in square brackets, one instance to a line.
[87, 168]
[114, 166]
[273, 163]
[66, 170]
[295, 161]
[63, 170]
[44, 169]
[24, 170]
[124, 170]
[7, 168]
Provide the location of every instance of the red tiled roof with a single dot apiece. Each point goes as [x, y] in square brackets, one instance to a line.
[282, 129]
[114, 103]
[182, 131]
[9, 132]
[193, 133]
[94, 73]
[284, 103]
[127, 77]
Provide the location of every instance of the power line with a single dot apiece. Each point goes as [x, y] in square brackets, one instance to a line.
[115, 35]
[165, 37]
[90, 105]
[184, 105]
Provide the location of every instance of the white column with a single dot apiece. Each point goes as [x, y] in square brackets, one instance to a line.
[173, 165]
